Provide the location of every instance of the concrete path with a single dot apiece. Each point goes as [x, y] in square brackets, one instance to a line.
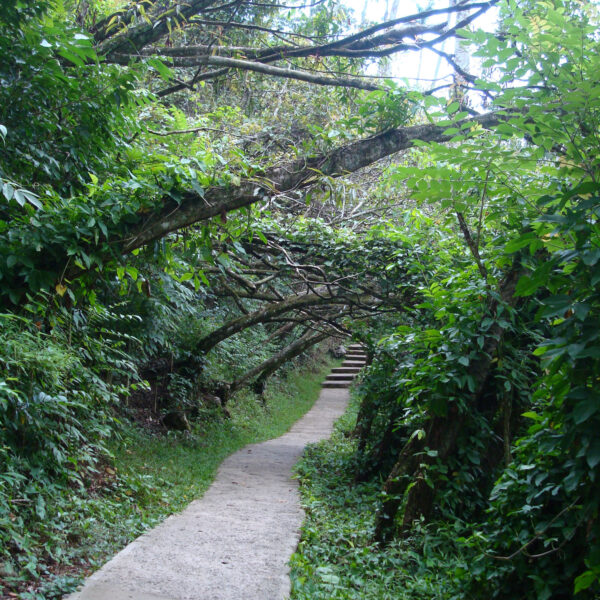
[235, 542]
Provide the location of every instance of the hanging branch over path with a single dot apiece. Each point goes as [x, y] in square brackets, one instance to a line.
[268, 313]
[289, 176]
[320, 293]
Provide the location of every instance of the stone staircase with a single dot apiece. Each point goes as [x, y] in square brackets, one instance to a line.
[342, 376]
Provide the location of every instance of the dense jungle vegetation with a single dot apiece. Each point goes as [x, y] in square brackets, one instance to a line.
[195, 195]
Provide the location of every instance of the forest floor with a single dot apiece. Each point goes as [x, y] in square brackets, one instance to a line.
[236, 541]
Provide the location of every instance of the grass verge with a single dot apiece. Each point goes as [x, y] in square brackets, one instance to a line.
[337, 557]
[151, 477]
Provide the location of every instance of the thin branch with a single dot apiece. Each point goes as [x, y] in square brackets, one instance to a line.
[472, 245]
[251, 27]
[416, 17]
[450, 59]
[196, 130]
[537, 536]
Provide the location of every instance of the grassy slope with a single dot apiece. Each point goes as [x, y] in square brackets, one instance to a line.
[187, 464]
[154, 476]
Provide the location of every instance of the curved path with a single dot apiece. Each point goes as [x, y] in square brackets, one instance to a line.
[235, 542]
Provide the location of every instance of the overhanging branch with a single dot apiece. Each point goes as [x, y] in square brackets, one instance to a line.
[290, 176]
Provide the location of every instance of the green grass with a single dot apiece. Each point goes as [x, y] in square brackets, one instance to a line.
[153, 476]
[186, 464]
[337, 558]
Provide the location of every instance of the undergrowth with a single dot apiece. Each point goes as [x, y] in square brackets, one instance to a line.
[144, 478]
[337, 558]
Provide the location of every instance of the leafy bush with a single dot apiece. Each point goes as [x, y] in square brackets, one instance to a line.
[337, 556]
[56, 419]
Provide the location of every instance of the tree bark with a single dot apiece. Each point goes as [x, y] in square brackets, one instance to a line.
[269, 366]
[288, 176]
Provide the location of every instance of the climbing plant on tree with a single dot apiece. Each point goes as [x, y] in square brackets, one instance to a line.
[498, 388]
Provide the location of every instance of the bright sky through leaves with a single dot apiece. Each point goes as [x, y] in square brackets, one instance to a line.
[424, 69]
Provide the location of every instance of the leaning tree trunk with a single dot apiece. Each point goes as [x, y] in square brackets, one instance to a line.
[269, 366]
[270, 312]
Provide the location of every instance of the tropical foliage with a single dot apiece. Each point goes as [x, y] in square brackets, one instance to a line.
[168, 203]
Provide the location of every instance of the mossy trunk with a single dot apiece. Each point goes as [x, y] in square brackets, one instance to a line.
[441, 436]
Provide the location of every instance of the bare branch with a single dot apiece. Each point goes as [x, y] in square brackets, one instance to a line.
[258, 67]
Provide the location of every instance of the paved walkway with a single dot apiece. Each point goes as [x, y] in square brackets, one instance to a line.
[235, 542]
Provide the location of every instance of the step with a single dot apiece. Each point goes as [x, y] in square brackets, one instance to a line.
[353, 363]
[355, 347]
[340, 377]
[355, 357]
[336, 384]
[345, 370]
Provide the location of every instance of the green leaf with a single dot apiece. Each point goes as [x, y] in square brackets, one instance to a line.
[584, 409]
[556, 305]
[8, 190]
[203, 278]
[531, 415]
[76, 60]
[19, 197]
[32, 198]
[519, 243]
[161, 68]
[505, 129]
[593, 453]
[584, 581]
[261, 237]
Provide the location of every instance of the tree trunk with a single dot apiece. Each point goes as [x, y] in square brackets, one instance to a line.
[441, 437]
[394, 488]
[269, 366]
